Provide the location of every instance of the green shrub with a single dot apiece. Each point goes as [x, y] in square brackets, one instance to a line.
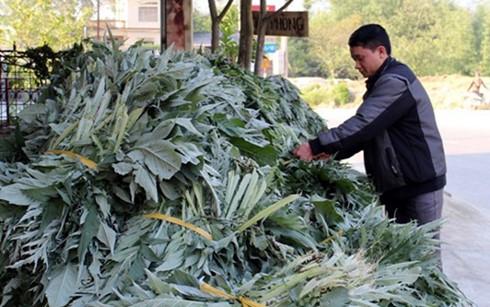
[329, 94]
[341, 94]
[316, 95]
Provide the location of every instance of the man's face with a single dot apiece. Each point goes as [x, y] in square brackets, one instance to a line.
[368, 61]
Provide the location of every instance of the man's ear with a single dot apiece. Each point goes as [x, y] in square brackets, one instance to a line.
[382, 52]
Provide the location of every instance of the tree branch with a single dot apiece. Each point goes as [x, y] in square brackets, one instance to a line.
[213, 11]
[282, 8]
[225, 9]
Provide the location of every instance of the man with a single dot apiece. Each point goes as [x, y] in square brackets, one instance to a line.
[395, 127]
[475, 85]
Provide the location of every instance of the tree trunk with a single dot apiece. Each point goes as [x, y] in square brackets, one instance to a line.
[259, 55]
[214, 35]
[264, 18]
[213, 12]
[215, 22]
[246, 34]
[261, 27]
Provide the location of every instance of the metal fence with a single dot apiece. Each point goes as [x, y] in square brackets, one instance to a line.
[19, 85]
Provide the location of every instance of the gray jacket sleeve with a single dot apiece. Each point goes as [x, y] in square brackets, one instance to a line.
[379, 110]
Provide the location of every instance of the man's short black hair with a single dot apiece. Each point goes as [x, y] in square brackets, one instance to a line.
[370, 36]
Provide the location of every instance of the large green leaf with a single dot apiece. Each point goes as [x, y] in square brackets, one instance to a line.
[263, 155]
[267, 211]
[90, 227]
[159, 156]
[232, 127]
[61, 285]
[147, 181]
[107, 236]
[326, 208]
[174, 256]
[14, 194]
[337, 297]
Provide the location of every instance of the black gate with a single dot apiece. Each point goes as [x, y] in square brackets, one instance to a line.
[19, 85]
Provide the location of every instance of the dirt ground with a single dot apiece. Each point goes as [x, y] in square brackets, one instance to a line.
[446, 92]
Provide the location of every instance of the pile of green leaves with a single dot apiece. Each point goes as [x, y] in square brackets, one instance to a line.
[194, 138]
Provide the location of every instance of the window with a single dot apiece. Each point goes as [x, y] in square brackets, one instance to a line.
[148, 14]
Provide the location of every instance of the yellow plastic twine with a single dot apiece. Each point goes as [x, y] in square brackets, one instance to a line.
[180, 222]
[340, 233]
[216, 292]
[88, 163]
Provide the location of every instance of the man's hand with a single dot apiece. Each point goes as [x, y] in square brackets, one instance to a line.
[304, 152]
[321, 156]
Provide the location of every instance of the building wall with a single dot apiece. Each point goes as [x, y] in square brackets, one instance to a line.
[130, 21]
[142, 21]
[143, 14]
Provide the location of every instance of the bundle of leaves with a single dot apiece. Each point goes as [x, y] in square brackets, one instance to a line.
[144, 180]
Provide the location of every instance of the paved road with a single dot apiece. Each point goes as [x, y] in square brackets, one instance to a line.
[466, 135]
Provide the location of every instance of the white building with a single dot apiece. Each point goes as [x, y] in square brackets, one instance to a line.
[130, 21]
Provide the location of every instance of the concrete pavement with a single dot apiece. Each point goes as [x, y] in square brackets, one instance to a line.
[466, 249]
[466, 231]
